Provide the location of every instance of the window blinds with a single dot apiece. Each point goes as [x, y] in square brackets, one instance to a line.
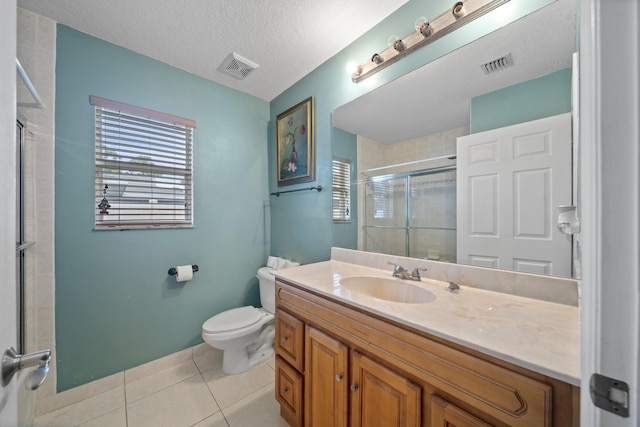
[382, 198]
[144, 168]
[341, 190]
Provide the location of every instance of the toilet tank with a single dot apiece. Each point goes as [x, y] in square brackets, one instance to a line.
[267, 289]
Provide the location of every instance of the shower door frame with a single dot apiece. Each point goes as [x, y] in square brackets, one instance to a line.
[21, 244]
[407, 202]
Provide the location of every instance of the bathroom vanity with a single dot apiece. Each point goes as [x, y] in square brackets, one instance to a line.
[358, 356]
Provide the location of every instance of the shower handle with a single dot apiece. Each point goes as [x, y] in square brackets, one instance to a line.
[12, 362]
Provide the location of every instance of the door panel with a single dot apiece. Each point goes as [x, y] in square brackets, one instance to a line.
[325, 381]
[444, 414]
[381, 397]
[510, 183]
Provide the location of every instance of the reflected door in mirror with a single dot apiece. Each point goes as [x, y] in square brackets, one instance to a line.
[510, 182]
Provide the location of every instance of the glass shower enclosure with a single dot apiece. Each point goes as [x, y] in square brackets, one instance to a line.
[411, 212]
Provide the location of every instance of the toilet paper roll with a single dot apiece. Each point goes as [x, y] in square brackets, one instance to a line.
[184, 273]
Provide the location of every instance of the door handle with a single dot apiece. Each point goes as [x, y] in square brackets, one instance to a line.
[12, 362]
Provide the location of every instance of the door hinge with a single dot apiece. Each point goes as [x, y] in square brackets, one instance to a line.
[610, 394]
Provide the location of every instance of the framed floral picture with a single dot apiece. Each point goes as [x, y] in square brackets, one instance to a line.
[296, 144]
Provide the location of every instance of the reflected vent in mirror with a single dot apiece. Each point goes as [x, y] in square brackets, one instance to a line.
[497, 64]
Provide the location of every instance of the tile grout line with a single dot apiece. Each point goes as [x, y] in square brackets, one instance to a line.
[126, 404]
[201, 372]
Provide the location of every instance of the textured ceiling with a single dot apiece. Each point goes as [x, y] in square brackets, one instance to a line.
[287, 39]
[437, 96]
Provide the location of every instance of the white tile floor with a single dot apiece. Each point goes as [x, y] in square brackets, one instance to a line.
[193, 392]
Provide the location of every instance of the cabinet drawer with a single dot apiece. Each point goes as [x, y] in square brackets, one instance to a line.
[289, 392]
[290, 339]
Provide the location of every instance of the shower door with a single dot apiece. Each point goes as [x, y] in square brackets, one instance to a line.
[412, 214]
[432, 216]
[385, 223]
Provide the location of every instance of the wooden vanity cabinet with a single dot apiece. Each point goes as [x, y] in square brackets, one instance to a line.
[359, 369]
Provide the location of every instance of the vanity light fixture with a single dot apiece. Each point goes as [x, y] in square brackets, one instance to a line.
[425, 32]
[423, 26]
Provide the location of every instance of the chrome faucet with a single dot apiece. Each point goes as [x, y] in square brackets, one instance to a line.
[399, 271]
[402, 273]
[415, 274]
[453, 287]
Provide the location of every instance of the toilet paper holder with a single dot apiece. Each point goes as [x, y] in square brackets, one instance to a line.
[173, 271]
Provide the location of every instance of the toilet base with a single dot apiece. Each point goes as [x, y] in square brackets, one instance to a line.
[237, 362]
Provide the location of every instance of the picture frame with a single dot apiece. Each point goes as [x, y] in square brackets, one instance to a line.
[295, 139]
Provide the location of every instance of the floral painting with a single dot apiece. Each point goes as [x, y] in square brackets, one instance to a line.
[295, 134]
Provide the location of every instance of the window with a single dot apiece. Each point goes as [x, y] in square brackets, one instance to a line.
[144, 173]
[382, 198]
[341, 190]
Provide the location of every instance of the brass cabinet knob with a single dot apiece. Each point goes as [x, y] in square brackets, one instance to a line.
[354, 387]
[339, 377]
[284, 390]
[285, 338]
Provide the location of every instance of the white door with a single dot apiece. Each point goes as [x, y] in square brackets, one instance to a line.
[510, 182]
[610, 206]
[8, 329]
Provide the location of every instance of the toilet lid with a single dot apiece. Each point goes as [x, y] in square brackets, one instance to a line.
[230, 320]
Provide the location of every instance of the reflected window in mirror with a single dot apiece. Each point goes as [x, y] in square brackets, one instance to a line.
[341, 190]
[382, 198]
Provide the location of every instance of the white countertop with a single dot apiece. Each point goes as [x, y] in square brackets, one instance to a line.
[537, 335]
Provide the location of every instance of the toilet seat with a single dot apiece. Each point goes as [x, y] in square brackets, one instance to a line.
[235, 322]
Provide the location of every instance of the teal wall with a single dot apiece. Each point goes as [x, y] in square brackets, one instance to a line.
[301, 223]
[345, 146]
[116, 306]
[531, 100]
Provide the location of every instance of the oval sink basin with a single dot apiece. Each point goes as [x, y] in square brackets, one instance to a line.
[394, 290]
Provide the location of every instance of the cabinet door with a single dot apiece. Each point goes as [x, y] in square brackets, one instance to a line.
[325, 381]
[445, 414]
[381, 397]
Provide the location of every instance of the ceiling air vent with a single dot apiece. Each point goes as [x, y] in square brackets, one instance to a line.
[237, 66]
[498, 64]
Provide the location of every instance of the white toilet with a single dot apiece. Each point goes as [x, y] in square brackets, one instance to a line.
[245, 333]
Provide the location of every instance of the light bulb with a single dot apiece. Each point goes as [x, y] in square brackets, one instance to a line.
[395, 42]
[458, 10]
[353, 69]
[423, 26]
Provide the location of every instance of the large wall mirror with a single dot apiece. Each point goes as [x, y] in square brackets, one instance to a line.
[410, 132]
